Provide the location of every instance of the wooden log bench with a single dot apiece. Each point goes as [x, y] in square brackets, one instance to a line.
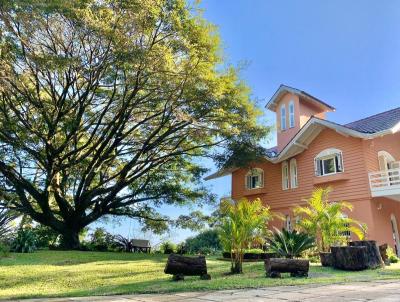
[296, 267]
[180, 266]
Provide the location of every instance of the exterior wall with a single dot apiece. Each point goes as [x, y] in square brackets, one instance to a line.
[303, 111]
[359, 158]
[284, 136]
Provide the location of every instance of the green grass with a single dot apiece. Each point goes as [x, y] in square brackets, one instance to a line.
[62, 274]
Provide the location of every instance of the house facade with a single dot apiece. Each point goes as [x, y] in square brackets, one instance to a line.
[360, 161]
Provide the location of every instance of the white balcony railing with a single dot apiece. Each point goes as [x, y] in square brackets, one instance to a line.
[385, 182]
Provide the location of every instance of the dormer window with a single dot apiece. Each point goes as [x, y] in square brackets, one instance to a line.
[283, 117]
[328, 162]
[291, 114]
[255, 179]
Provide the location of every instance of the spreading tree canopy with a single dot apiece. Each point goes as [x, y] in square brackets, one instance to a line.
[107, 106]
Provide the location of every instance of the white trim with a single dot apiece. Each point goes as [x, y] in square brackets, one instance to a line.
[292, 115]
[254, 172]
[328, 154]
[283, 115]
[393, 222]
[294, 174]
[285, 176]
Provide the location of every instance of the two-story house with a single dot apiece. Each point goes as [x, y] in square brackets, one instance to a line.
[359, 160]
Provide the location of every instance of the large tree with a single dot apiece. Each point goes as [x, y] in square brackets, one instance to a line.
[106, 107]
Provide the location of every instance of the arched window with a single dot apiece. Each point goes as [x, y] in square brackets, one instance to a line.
[386, 161]
[285, 176]
[291, 114]
[293, 173]
[283, 117]
[255, 179]
[328, 162]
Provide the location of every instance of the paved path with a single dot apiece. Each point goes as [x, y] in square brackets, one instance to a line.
[382, 291]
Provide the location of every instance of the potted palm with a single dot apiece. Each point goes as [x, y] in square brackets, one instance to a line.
[327, 222]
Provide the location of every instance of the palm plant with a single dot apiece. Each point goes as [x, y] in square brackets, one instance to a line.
[326, 220]
[244, 222]
[6, 218]
[290, 244]
[123, 244]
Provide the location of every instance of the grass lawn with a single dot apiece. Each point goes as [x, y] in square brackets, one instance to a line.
[62, 274]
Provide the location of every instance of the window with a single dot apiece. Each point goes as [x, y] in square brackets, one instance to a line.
[255, 179]
[291, 114]
[288, 223]
[346, 233]
[293, 173]
[329, 162]
[285, 176]
[283, 117]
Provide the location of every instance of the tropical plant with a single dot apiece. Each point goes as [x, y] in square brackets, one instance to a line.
[106, 107]
[205, 242]
[45, 237]
[290, 244]
[6, 218]
[101, 240]
[327, 221]
[167, 247]
[243, 223]
[24, 242]
[122, 243]
[391, 255]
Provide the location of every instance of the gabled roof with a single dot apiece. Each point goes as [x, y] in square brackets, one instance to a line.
[378, 122]
[374, 126]
[271, 105]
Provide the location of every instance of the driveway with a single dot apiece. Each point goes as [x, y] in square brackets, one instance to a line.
[383, 291]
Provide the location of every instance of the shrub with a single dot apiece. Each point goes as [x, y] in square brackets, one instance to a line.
[101, 240]
[4, 249]
[290, 244]
[45, 236]
[168, 247]
[206, 242]
[392, 255]
[25, 242]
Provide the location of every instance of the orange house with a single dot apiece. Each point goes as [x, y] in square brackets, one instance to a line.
[359, 160]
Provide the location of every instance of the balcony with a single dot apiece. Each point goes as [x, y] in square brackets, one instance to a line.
[385, 184]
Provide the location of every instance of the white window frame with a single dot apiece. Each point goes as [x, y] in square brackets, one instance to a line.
[294, 176]
[328, 154]
[291, 115]
[285, 176]
[253, 173]
[283, 118]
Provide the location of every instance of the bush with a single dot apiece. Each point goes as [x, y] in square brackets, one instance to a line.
[290, 244]
[101, 240]
[206, 242]
[4, 250]
[25, 242]
[391, 255]
[168, 247]
[45, 236]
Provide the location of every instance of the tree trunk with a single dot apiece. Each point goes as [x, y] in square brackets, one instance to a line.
[179, 265]
[296, 267]
[70, 240]
[350, 258]
[374, 259]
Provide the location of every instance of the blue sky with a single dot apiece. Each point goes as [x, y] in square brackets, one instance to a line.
[346, 53]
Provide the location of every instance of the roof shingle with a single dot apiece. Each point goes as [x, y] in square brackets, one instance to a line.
[376, 123]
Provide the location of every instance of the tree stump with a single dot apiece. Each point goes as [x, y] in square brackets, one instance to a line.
[374, 259]
[351, 258]
[180, 266]
[383, 252]
[326, 258]
[296, 267]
